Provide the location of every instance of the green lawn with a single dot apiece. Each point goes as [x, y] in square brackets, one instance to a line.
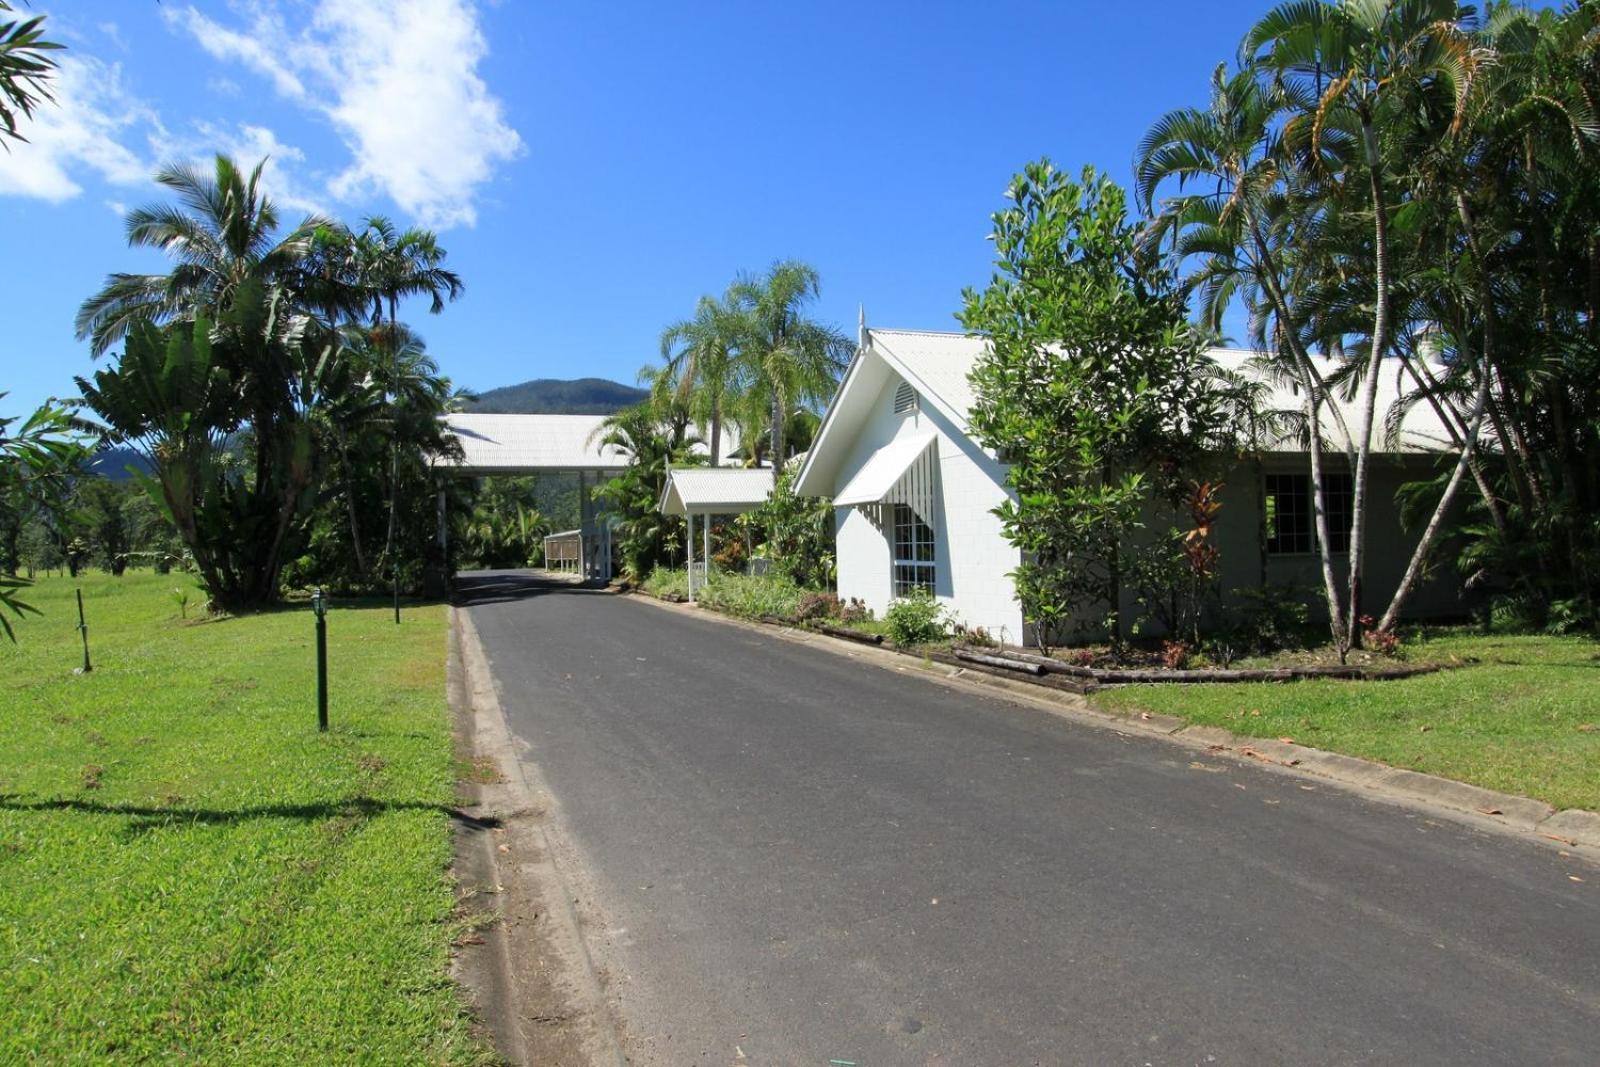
[1525, 719]
[189, 872]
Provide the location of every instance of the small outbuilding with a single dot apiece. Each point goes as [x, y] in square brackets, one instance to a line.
[710, 491]
[915, 495]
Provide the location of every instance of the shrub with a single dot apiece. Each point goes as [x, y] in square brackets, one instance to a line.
[1270, 618]
[816, 606]
[1174, 655]
[666, 582]
[1383, 642]
[854, 610]
[916, 620]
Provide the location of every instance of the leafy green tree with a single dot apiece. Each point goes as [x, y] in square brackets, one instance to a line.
[1095, 391]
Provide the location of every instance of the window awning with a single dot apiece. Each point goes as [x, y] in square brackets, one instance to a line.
[876, 480]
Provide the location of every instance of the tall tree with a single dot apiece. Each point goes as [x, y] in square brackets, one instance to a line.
[790, 358]
[390, 265]
[1353, 65]
[700, 367]
[222, 235]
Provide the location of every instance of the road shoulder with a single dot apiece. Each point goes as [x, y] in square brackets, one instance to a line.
[526, 966]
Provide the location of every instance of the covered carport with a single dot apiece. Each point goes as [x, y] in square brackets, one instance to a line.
[707, 492]
[541, 444]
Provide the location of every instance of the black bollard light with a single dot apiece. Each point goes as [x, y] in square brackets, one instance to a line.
[83, 628]
[319, 605]
[397, 594]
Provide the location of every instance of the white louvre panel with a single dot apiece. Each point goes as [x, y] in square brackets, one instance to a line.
[918, 486]
[905, 399]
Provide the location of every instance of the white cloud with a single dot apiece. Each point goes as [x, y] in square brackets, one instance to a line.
[248, 145]
[85, 127]
[398, 79]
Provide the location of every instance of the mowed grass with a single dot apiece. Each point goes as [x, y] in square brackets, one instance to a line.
[189, 872]
[1524, 718]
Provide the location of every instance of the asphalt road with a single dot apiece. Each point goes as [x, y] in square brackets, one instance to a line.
[794, 858]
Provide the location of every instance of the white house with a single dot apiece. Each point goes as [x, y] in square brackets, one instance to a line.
[915, 495]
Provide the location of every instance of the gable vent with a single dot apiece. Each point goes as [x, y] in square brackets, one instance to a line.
[905, 399]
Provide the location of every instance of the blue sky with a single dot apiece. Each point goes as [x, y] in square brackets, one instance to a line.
[592, 168]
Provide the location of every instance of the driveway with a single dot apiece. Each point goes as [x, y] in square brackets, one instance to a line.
[790, 857]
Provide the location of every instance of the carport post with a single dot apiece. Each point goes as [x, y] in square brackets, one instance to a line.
[705, 534]
[689, 541]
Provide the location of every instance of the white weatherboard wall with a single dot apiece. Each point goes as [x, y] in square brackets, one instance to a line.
[972, 557]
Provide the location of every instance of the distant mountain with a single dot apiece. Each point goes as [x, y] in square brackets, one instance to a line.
[556, 396]
[113, 463]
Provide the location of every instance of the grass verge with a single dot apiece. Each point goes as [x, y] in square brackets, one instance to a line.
[1524, 718]
[189, 871]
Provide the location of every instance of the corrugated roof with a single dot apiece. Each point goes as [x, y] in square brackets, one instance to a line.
[938, 365]
[519, 444]
[880, 473]
[722, 490]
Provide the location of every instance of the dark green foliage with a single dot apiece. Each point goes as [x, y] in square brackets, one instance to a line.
[1095, 391]
[653, 439]
[799, 532]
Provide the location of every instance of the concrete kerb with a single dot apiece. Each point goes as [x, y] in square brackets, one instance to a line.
[536, 985]
[1467, 804]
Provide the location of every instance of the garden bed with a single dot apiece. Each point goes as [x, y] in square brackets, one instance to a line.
[1163, 675]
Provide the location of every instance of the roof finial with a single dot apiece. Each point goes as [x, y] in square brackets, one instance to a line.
[861, 326]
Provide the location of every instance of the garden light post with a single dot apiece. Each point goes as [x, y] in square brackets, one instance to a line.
[319, 605]
[83, 628]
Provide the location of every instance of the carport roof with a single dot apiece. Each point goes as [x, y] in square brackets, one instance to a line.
[715, 490]
[532, 444]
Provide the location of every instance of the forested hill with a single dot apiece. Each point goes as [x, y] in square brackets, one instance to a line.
[556, 396]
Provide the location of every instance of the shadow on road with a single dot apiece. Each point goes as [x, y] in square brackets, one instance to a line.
[504, 587]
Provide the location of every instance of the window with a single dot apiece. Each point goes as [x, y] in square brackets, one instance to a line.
[913, 552]
[1291, 522]
[905, 399]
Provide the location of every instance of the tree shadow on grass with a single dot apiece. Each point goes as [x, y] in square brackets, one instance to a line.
[144, 818]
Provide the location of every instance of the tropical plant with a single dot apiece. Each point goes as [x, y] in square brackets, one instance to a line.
[37, 459]
[701, 368]
[26, 68]
[1095, 391]
[798, 531]
[654, 440]
[789, 359]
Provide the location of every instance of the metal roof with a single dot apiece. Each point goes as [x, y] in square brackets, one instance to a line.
[530, 444]
[880, 473]
[938, 365]
[715, 490]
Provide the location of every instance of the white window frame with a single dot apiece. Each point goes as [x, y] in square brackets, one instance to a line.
[908, 570]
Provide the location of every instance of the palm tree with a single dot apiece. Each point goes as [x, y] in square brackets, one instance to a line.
[701, 367]
[222, 235]
[25, 71]
[1354, 65]
[789, 358]
[388, 265]
[1247, 230]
